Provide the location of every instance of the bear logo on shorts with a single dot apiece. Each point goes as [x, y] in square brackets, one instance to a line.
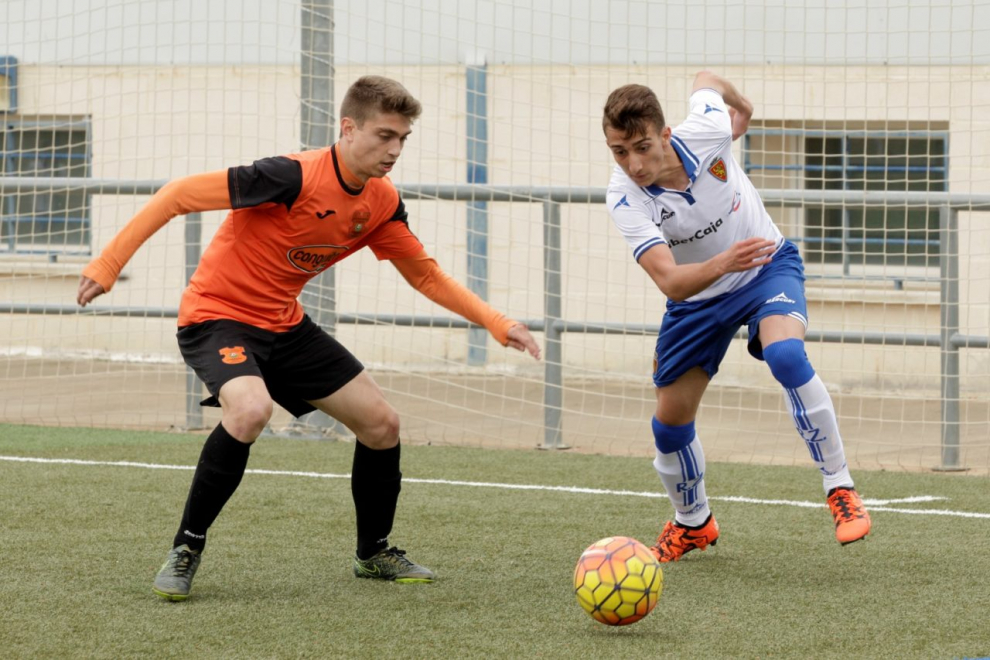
[233, 355]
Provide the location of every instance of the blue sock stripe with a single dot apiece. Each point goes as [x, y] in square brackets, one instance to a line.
[681, 460]
[800, 417]
[690, 473]
[804, 412]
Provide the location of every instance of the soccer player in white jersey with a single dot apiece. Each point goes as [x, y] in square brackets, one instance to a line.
[697, 226]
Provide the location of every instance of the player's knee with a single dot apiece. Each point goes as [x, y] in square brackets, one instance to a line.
[789, 363]
[246, 418]
[670, 439]
[381, 429]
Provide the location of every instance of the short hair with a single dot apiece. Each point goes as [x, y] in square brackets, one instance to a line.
[373, 94]
[631, 109]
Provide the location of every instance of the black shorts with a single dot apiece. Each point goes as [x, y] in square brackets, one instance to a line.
[300, 365]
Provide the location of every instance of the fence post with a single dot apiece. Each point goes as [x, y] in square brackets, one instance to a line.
[477, 212]
[553, 398]
[316, 129]
[949, 317]
[194, 389]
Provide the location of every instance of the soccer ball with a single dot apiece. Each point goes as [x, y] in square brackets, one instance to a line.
[618, 581]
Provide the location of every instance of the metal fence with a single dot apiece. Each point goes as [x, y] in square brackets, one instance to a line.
[949, 339]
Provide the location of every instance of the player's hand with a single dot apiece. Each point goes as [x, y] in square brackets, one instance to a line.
[88, 289]
[747, 254]
[521, 340]
[740, 123]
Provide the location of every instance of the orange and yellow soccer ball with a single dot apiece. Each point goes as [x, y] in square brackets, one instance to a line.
[618, 581]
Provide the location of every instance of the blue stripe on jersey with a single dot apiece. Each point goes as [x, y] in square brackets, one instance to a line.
[638, 252]
[688, 159]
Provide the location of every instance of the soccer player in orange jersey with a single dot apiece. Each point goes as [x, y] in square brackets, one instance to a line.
[245, 334]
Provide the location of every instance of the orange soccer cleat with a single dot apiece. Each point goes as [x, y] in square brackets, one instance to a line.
[852, 522]
[676, 539]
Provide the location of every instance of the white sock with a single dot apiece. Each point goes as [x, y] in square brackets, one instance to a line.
[683, 476]
[811, 408]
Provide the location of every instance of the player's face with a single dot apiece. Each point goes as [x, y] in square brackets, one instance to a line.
[641, 156]
[375, 146]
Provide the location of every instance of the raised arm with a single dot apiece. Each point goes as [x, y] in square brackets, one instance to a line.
[200, 192]
[681, 282]
[740, 109]
[423, 273]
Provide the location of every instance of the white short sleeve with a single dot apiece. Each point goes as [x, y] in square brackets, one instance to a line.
[634, 222]
[705, 134]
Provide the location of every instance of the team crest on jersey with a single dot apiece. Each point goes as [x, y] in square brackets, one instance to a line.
[717, 170]
[314, 258]
[232, 355]
[359, 221]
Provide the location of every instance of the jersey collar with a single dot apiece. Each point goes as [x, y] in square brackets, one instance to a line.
[338, 167]
[690, 162]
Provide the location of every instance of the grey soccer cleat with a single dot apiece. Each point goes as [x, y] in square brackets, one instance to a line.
[391, 564]
[174, 579]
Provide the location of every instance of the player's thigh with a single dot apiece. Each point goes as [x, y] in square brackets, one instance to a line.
[307, 365]
[780, 327]
[677, 403]
[246, 396]
[361, 406]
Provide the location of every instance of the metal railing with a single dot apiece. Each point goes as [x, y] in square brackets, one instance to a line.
[949, 339]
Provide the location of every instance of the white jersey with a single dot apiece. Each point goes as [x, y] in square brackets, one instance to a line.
[719, 207]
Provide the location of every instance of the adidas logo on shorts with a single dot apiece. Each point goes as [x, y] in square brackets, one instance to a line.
[780, 297]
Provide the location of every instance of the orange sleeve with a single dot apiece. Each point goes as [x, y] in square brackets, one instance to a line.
[200, 192]
[423, 273]
[394, 240]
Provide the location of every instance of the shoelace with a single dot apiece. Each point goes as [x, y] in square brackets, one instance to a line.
[183, 562]
[398, 556]
[668, 537]
[845, 506]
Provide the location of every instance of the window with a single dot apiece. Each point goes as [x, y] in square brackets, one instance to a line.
[45, 221]
[893, 158]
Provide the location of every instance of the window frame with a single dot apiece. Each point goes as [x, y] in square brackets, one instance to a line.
[9, 245]
[785, 129]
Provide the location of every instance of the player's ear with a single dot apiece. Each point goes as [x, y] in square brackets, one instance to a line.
[665, 133]
[347, 126]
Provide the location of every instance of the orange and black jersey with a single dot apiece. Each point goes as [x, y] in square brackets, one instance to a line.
[293, 217]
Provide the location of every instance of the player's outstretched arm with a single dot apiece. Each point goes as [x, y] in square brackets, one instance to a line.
[200, 192]
[423, 273]
[740, 109]
[679, 283]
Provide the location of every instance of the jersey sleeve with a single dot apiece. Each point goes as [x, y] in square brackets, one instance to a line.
[706, 133]
[393, 239]
[276, 180]
[633, 222]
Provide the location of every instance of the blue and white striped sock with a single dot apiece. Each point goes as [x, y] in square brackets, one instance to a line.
[680, 462]
[814, 417]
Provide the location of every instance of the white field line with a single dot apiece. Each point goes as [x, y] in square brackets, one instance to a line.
[875, 505]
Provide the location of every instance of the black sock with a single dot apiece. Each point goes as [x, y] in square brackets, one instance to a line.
[375, 485]
[220, 468]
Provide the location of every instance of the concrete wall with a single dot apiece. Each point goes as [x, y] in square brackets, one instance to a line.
[157, 122]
